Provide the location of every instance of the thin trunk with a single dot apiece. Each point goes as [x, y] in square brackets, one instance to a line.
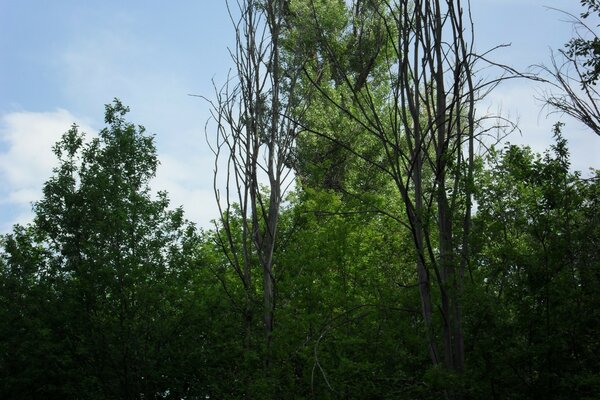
[418, 154]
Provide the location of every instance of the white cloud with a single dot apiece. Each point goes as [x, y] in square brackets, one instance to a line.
[23, 196]
[101, 65]
[187, 180]
[28, 139]
[26, 158]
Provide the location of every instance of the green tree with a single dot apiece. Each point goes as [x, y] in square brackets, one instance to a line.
[400, 73]
[348, 307]
[107, 272]
[535, 326]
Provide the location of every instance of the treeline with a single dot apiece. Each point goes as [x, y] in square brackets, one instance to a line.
[402, 264]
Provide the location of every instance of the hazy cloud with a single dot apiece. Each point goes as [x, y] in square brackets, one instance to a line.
[188, 181]
[28, 138]
[26, 158]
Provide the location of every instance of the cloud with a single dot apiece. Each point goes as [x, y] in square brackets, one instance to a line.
[187, 179]
[28, 139]
[27, 161]
[26, 158]
[151, 81]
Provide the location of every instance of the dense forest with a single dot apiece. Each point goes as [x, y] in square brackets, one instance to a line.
[373, 241]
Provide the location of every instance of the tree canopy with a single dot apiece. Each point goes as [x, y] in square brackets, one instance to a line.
[402, 264]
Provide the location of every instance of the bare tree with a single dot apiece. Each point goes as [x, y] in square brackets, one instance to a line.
[574, 72]
[253, 144]
[570, 95]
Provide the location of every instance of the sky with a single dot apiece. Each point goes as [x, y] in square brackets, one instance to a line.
[62, 60]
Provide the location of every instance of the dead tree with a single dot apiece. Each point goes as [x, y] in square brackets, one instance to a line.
[574, 72]
[253, 145]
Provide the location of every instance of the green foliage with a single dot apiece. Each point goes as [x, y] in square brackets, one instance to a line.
[104, 279]
[110, 293]
[536, 255]
[587, 48]
[353, 330]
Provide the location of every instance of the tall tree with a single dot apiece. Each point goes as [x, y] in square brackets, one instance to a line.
[110, 265]
[254, 143]
[536, 238]
[418, 103]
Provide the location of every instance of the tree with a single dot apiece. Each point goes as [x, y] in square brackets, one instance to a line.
[345, 330]
[111, 266]
[535, 324]
[412, 92]
[587, 47]
[574, 73]
[254, 143]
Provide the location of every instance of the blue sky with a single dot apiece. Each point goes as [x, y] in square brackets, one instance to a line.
[62, 60]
